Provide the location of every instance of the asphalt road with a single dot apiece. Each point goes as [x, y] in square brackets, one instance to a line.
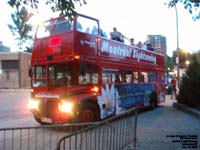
[163, 128]
[14, 111]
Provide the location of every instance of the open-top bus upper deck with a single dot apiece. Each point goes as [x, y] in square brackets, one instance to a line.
[60, 39]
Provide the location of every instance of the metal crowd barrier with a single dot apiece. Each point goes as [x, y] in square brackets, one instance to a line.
[112, 134]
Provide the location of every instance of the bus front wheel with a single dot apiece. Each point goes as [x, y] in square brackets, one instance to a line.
[89, 113]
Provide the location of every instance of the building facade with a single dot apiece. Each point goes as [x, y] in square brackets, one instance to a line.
[14, 68]
[158, 42]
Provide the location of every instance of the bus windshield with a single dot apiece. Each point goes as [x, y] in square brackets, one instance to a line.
[59, 74]
[53, 27]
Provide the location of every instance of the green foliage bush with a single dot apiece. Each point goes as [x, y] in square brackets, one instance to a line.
[189, 92]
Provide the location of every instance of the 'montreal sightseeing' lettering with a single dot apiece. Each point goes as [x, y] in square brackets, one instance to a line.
[140, 55]
[127, 51]
[116, 50]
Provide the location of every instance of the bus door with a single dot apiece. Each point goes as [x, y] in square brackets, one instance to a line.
[86, 34]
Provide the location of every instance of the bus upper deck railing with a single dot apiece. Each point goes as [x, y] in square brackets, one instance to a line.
[111, 134]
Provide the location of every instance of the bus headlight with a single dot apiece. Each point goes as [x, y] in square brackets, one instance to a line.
[65, 106]
[33, 104]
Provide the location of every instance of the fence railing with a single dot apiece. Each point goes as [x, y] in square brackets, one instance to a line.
[114, 133]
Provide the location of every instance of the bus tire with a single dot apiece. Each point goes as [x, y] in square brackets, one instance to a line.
[89, 112]
[153, 101]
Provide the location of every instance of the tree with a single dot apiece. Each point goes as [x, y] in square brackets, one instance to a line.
[21, 28]
[190, 85]
[191, 5]
[183, 56]
[169, 63]
[65, 7]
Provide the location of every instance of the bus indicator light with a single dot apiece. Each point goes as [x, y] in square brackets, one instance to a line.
[95, 89]
[77, 57]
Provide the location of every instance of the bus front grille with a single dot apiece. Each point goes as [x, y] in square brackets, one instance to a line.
[49, 107]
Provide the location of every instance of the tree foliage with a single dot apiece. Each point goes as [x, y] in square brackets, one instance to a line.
[190, 85]
[169, 63]
[65, 7]
[21, 27]
[191, 5]
[183, 56]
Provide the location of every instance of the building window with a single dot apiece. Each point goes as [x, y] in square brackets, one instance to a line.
[10, 64]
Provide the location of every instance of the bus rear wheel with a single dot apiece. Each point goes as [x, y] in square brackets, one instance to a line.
[153, 101]
[89, 113]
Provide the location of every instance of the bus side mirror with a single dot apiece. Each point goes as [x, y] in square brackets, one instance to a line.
[30, 73]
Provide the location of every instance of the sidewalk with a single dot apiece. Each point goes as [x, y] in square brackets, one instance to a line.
[154, 126]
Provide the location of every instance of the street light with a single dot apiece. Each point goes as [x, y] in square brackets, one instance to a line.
[177, 44]
[187, 62]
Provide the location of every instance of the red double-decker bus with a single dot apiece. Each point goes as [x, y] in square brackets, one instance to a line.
[80, 75]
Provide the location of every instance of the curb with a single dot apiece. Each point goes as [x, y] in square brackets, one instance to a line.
[191, 111]
[15, 90]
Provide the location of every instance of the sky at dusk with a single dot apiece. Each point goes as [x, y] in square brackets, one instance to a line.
[133, 18]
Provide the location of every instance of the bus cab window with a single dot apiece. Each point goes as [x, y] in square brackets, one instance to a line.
[88, 73]
[59, 75]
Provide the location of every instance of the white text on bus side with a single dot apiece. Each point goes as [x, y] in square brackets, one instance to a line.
[126, 52]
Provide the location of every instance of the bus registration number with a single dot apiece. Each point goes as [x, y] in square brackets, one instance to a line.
[47, 120]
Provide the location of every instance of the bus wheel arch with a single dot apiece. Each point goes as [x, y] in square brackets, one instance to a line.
[89, 111]
[153, 100]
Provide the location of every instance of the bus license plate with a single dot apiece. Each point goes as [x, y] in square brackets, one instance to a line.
[47, 120]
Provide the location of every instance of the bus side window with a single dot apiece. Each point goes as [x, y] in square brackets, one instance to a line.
[106, 79]
[143, 77]
[135, 77]
[117, 79]
[152, 77]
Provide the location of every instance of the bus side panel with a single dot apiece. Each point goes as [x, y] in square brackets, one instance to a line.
[133, 95]
[116, 99]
